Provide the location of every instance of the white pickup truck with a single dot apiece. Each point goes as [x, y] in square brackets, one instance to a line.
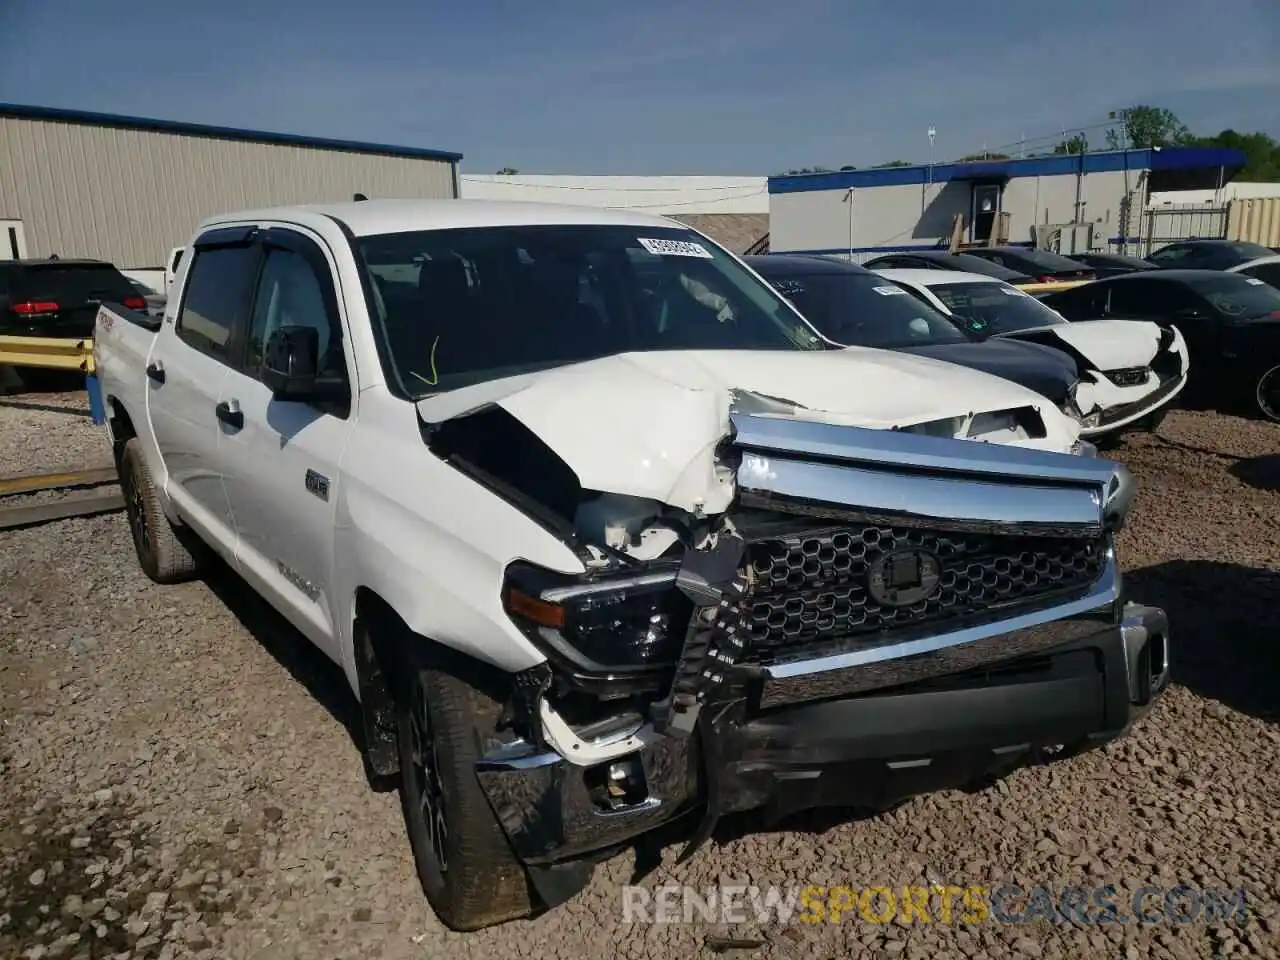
[604, 535]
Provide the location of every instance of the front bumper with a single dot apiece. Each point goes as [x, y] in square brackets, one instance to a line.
[1121, 416]
[858, 734]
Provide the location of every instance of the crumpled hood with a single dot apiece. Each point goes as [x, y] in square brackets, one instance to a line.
[647, 424]
[1109, 344]
[1049, 372]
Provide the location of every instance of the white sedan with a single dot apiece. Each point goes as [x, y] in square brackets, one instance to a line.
[1130, 371]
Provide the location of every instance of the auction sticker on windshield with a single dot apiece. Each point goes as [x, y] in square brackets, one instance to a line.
[1014, 292]
[889, 291]
[675, 248]
[1254, 281]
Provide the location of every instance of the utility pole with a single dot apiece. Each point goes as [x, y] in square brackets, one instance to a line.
[848, 198]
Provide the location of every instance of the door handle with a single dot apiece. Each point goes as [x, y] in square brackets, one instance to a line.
[155, 372]
[229, 412]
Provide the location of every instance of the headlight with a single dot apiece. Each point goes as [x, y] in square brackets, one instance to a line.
[622, 623]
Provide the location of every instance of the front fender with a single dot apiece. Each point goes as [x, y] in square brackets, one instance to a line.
[434, 545]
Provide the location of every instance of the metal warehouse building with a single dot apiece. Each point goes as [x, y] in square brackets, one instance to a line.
[127, 189]
[1069, 202]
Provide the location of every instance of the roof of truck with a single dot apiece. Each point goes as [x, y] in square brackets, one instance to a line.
[369, 217]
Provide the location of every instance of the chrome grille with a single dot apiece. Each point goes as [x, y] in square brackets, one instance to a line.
[817, 584]
[1128, 376]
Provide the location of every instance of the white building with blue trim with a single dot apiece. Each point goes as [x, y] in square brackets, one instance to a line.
[867, 212]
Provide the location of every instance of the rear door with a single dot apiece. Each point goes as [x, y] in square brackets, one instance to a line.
[61, 298]
[188, 365]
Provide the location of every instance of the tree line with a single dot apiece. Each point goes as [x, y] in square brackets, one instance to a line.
[1142, 127]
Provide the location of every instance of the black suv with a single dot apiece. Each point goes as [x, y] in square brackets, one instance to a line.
[59, 298]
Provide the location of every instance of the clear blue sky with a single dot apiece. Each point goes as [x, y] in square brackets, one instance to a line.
[667, 86]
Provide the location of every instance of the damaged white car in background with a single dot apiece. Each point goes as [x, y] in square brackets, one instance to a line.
[1129, 370]
[605, 538]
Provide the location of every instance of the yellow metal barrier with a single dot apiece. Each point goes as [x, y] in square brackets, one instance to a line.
[1035, 289]
[47, 352]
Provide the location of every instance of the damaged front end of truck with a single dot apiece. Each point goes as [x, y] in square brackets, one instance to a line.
[830, 615]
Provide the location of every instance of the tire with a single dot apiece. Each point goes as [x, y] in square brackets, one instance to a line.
[161, 554]
[1266, 394]
[469, 873]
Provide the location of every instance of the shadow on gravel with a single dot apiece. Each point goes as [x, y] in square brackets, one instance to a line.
[322, 677]
[1261, 473]
[11, 404]
[1221, 617]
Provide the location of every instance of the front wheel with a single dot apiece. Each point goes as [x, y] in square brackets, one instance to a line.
[469, 873]
[1267, 394]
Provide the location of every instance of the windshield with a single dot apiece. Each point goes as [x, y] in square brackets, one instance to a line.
[991, 308]
[862, 310]
[1237, 296]
[1045, 260]
[986, 267]
[458, 307]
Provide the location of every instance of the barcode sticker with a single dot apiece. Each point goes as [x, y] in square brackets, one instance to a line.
[889, 291]
[674, 248]
[1255, 281]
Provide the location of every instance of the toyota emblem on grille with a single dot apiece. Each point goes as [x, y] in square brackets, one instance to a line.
[903, 577]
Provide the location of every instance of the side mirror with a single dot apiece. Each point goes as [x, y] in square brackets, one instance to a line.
[290, 367]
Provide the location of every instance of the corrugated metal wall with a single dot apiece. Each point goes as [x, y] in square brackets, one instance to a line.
[128, 196]
[1257, 219]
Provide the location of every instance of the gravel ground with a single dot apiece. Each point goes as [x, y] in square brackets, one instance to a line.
[177, 775]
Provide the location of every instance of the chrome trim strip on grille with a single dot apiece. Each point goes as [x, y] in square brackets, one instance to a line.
[895, 449]
[653, 579]
[1018, 635]
[883, 496]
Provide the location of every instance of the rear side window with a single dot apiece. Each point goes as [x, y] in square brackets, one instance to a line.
[1266, 272]
[216, 297]
[1083, 303]
[74, 284]
[1170, 254]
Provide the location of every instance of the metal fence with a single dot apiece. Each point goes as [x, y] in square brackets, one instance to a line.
[1183, 221]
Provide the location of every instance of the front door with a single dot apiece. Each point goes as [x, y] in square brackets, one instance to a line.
[283, 476]
[184, 377]
[986, 204]
[13, 243]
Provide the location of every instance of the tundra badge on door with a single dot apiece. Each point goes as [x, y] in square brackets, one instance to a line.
[318, 485]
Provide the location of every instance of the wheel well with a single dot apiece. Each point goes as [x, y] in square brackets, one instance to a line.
[122, 429]
[385, 649]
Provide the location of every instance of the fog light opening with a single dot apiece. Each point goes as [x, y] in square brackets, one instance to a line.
[617, 785]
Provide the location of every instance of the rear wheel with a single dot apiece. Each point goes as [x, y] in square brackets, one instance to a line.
[469, 873]
[161, 554]
[1267, 394]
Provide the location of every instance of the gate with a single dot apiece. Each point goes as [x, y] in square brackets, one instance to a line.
[1182, 221]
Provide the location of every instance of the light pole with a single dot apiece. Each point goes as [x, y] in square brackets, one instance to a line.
[932, 133]
[848, 198]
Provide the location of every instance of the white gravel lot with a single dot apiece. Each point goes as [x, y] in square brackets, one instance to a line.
[177, 778]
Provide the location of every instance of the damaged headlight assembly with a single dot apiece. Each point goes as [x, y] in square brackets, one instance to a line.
[607, 626]
[1072, 409]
